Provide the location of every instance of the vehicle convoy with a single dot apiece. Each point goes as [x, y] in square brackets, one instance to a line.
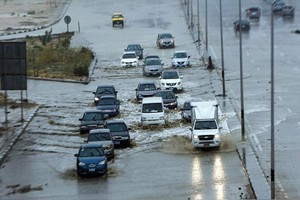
[91, 160]
[91, 119]
[117, 19]
[152, 111]
[205, 130]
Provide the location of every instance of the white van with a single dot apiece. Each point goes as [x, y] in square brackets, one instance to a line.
[205, 124]
[152, 111]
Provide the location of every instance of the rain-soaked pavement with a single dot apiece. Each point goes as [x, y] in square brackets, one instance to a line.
[161, 164]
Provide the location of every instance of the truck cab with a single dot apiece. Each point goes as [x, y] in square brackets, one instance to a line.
[205, 129]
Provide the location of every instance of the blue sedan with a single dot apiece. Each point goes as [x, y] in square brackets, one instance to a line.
[91, 160]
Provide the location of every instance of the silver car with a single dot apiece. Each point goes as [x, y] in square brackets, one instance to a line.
[152, 67]
[165, 40]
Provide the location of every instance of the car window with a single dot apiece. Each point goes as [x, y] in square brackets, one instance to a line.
[107, 101]
[133, 47]
[152, 108]
[90, 152]
[187, 106]
[199, 125]
[92, 116]
[146, 87]
[165, 35]
[180, 55]
[170, 75]
[101, 90]
[99, 137]
[117, 127]
[153, 62]
[129, 55]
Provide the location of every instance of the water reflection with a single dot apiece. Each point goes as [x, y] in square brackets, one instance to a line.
[218, 177]
[197, 177]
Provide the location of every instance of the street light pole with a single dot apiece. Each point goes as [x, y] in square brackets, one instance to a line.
[222, 50]
[198, 25]
[272, 110]
[241, 74]
[206, 35]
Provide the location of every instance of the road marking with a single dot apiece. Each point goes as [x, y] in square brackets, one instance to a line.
[257, 142]
[298, 123]
[289, 110]
[279, 98]
[213, 52]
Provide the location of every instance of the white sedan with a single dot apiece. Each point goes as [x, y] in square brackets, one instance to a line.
[129, 59]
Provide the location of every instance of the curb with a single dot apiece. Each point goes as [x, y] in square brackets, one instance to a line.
[15, 135]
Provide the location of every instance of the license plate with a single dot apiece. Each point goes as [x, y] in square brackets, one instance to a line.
[91, 170]
[117, 142]
[206, 145]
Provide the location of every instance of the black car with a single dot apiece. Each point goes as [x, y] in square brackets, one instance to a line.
[137, 48]
[119, 132]
[91, 160]
[253, 13]
[186, 110]
[243, 26]
[145, 89]
[104, 90]
[109, 105]
[92, 119]
[169, 98]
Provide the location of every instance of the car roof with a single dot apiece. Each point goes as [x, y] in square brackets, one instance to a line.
[93, 111]
[129, 52]
[89, 145]
[99, 130]
[108, 97]
[152, 100]
[106, 86]
[181, 51]
[133, 45]
[146, 82]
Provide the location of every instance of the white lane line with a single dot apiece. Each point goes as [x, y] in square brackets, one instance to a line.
[257, 142]
[279, 98]
[289, 110]
[213, 52]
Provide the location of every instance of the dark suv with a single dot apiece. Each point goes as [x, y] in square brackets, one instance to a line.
[137, 48]
[104, 90]
[109, 105]
[119, 131]
[92, 119]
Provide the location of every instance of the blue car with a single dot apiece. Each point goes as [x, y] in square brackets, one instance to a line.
[91, 160]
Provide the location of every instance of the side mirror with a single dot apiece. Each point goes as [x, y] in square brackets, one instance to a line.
[94, 92]
[85, 141]
[180, 77]
[76, 154]
[80, 119]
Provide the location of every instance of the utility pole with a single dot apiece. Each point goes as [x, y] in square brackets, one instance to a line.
[241, 74]
[222, 49]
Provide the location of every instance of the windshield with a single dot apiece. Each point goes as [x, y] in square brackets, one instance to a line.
[165, 95]
[205, 125]
[92, 116]
[99, 137]
[101, 90]
[170, 75]
[153, 62]
[147, 87]
[152, 108]
[107, 101]
[91, 152]
[129, 55]
[180, 55]
[187, 106]
[134, 47]
[117, 127]
[165, 35]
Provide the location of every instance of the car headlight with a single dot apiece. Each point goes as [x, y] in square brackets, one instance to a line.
[108, 147]
[96, 99]
[163, 84]
[102, 162]
[143, 119]
[217, 137]
[195, 136]
[161, 118]
[135, 61]
[179, 83]
[81, 164]
[83, 126]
